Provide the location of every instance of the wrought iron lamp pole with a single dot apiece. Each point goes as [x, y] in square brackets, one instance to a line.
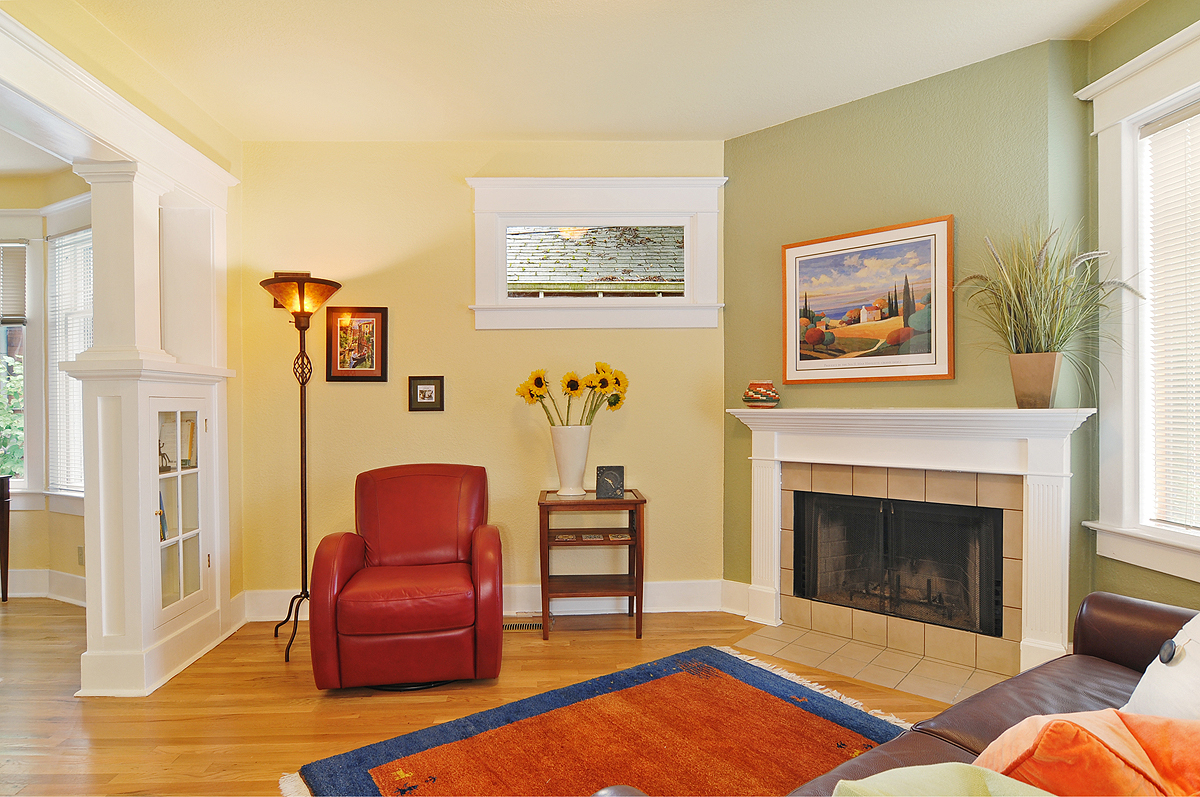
[302, 296]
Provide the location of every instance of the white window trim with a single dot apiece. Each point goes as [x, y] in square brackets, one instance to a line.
[1156, 82]
[690, 202]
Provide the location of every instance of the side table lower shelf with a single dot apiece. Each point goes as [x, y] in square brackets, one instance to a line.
[593, 586]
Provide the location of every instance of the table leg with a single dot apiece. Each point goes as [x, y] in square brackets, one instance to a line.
[544, 533]
[641, 564]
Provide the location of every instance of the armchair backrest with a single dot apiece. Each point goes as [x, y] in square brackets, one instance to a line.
[420, 514]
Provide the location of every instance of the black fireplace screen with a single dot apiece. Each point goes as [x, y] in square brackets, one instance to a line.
[934, 563]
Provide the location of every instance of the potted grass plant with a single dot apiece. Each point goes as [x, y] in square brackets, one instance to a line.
[1040, 296]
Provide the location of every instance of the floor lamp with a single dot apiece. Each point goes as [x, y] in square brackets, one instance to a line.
[301, 295]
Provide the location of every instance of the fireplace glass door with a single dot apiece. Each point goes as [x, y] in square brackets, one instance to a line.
[934, 563]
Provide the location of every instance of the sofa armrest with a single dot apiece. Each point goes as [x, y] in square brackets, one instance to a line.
[487, 572]
[339, 556]
[1126, 631]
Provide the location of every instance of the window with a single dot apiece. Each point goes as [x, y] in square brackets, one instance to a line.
[559, 253]
[1149, 219]
[69, 332]
[13, 258]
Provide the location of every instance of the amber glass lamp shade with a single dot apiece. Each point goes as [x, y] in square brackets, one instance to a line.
[301, 295]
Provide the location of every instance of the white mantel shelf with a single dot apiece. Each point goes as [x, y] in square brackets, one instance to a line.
[1035, 444]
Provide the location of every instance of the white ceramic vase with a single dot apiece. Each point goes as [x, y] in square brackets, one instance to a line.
[570, 455]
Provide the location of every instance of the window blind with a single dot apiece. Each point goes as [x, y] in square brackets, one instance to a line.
[1170, 256]
[12, 284]
[69, 332]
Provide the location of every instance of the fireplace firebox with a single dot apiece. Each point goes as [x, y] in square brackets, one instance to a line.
[933, 563]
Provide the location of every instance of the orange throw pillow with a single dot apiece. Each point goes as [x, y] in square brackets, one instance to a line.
[1100, 752]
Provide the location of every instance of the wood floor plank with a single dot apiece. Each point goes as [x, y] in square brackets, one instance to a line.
[238, 718]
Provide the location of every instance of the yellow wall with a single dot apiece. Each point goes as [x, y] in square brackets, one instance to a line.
[393, 223]
[29, 540]
[35, 192]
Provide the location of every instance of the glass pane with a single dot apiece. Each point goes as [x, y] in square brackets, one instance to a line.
[188, 441]
[168, 442]
[12, 402]
[593, 261]
[190, 489]
[170, 574]
[191, 564]
[168, 506]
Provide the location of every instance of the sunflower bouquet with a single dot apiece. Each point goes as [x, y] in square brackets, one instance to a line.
[604, 388]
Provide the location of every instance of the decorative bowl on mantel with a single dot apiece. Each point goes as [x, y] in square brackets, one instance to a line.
[761, 395]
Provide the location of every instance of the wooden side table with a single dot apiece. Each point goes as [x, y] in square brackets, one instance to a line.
[632, 536]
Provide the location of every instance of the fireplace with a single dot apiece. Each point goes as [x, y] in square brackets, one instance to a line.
[933, 563]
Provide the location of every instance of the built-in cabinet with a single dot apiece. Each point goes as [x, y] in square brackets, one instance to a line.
[180, 528]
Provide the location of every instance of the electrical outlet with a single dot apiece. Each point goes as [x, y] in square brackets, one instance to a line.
[79, 550]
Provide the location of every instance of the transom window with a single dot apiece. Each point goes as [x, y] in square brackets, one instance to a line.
[609, 260]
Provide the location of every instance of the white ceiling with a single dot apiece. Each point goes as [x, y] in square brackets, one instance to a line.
[17, 158]
[361, 70]
[345, 70]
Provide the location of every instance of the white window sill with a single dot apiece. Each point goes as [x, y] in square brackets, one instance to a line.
[596, 316]
[66, 503]
[1153, 547]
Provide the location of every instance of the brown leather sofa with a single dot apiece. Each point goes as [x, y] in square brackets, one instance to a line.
[1116, 638]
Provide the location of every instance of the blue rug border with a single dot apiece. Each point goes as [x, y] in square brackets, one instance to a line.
[346, 774]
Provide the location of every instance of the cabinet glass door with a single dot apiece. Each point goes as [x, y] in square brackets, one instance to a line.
[179, 521]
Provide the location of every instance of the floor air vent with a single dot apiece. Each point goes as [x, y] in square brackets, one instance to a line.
[522, 625]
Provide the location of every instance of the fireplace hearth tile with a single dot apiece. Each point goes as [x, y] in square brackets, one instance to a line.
[786, 551]
[1012, 583]
[843, 665]
[786, 634]
[1012, 624]
[1001, 490]
[895, 660]
[762, 644]
[787, 581]
[861, 651]
[950, 674]
[797, 476]
[951, 645]
[802, 655]
[870, 627]
[870, 482]
[787, 509]
[835, 479]
[881, 676]
[795, 611]
[950, 487]
[827, 643]
[1014, 534]
[830, 619]
[981, 680]
[928, 687]
[905, 484]
[1001, 656]
[906, 635]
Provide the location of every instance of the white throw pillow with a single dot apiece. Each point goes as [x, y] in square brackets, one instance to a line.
[1172, 689]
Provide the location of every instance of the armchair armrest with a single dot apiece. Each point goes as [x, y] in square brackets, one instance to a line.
[1126, 631]
[338, 557]
[487, 574]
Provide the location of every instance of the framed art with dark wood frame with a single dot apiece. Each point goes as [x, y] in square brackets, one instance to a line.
[425, 393]
[356, 344]
[875, 305]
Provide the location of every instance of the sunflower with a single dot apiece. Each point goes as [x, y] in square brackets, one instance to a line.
[615, 401]
[525, 391]
[620, 381]
[572, 385]
[603, 368]
[537, 383]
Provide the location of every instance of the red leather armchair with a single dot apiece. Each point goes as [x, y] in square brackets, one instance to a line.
[415, 595]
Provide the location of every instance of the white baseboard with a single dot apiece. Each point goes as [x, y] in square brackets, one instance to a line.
[269, 605]
[735, 597]
[52, 584]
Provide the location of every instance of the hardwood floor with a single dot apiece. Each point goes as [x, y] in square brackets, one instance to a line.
[236, 720]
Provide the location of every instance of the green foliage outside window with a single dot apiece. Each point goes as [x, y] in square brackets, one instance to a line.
[12, 417]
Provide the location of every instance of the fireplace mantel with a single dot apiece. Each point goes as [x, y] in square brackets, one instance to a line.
[1035, 444]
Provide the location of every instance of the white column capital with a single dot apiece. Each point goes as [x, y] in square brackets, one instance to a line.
[96, 172]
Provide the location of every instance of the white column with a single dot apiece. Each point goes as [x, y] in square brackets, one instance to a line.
[126, 317]
[765, 519]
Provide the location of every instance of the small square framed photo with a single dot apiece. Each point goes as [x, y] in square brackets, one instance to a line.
[356, 344]
[425, 393]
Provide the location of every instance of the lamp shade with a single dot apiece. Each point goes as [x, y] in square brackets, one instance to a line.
[301, 295]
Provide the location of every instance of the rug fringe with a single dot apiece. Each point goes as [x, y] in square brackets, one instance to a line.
[292, 785]
[816, 687]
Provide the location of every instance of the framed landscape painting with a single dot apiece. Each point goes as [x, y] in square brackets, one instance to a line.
[872, 305]
[356, 344]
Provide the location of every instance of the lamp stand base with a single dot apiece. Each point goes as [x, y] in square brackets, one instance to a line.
[294, 604]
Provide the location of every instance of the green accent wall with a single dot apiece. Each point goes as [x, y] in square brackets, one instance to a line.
[1139, 30]
[1000, 144]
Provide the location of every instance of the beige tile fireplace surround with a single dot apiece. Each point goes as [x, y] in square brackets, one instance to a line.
[1016, 460]
[1000, 491]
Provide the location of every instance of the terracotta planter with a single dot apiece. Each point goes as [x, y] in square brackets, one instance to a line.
[570, 456]
[1035, 378]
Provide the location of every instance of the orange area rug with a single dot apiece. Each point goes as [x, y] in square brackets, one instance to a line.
[700, 722]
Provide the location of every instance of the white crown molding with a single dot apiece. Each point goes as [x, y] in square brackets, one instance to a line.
[76, 117]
